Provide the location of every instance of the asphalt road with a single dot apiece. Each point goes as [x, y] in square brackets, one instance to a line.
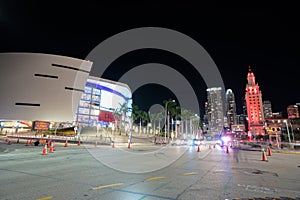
[145, 172]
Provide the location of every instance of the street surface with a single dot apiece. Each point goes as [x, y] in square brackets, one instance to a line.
[145, 172]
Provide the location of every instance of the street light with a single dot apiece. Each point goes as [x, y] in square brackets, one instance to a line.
[168, 120]
[287, 128]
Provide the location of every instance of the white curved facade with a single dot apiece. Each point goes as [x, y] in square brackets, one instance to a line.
[37, 86]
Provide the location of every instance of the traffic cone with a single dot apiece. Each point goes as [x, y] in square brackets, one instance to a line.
[48, 144]
[51, 148]
[269, 151]
[227, 149]
[30, 142]
[198, 148]
[18, 140]
[66, 144]
[264, 156]
[128, 145]
[45, 150]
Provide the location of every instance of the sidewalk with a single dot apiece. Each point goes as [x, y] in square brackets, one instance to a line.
[247, 147]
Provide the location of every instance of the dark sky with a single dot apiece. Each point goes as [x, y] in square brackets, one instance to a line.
[265, 36]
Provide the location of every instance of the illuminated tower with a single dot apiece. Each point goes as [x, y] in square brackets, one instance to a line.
[230, 108]
[215, 111]
[254, 106]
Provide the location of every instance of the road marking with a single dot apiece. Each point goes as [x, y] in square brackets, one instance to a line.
[45, 198]
[107, 186]
[190, 173]
[155, 178]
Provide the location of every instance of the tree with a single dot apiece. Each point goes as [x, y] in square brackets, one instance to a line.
[117, 116]
[153, 119]
[160, 117]
[185, 115]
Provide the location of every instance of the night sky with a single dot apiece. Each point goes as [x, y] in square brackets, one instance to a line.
[266, 37]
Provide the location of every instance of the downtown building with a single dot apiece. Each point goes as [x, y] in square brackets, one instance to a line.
[230, 109]
[40, 90]
[215, 114]
[267, 106]
[254, 106]
[292, 111]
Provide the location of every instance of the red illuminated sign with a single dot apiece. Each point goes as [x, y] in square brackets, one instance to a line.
[106, 116]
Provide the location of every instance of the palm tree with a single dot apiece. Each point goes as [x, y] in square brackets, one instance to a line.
[145, 118]
[160, 117]
[153, 119]
[117, 116]
[177, 114]
[123, 109]
[135, 115]
[140, 116]
[185, 115]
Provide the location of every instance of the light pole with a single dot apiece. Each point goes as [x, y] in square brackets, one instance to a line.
[292, 131]
[287, 128]
[166, 111]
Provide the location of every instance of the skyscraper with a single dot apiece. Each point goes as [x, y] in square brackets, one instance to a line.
[230, 108]
[267, 109]
[254, 105]
[215, 110]
[292, 111]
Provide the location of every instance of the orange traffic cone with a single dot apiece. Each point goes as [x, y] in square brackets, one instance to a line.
[45, 150]
[198, 148]
[66, 144]
[269, 151]
[51, 148]
[264, 156]
[227, 149]
[128, 145]
[48, 144]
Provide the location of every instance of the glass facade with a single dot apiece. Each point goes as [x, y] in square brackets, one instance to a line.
[101, 100]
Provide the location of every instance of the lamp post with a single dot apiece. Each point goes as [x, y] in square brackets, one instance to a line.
[287, 128]
[292, 131]
[166, 111]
